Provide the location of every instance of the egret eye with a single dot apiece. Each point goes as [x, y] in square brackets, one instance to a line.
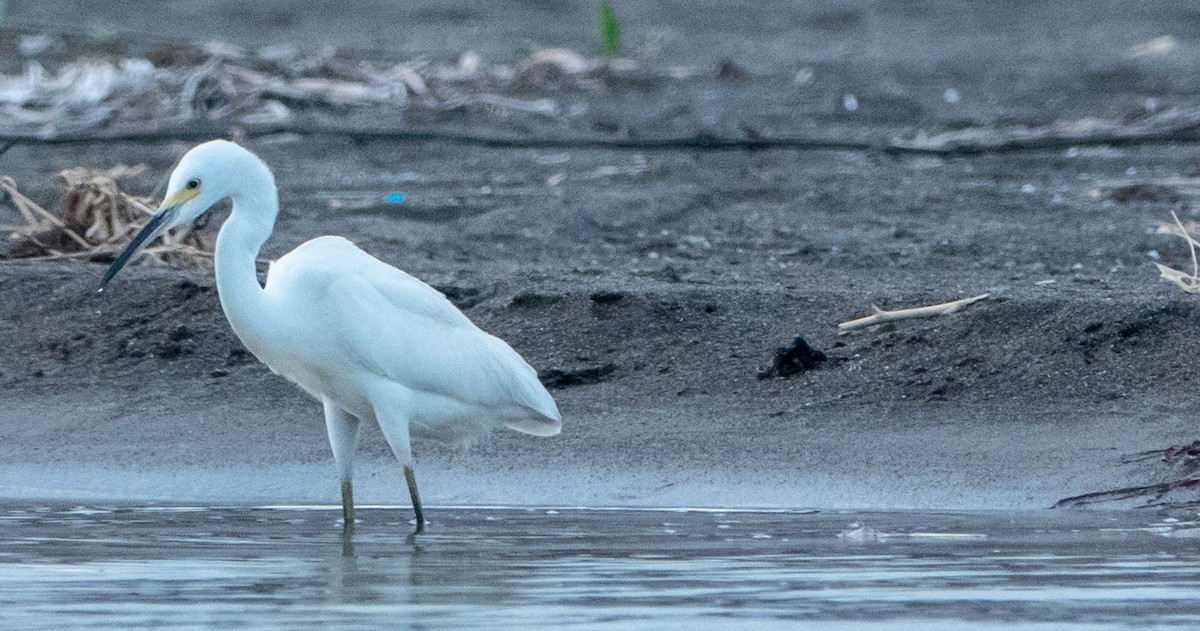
[193, 184]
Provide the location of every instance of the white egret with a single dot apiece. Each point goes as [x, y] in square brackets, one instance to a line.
[369, 341]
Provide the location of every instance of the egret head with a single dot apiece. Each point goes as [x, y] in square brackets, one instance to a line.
[205, 175]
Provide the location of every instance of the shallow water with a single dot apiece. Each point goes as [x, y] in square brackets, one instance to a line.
[495, 568]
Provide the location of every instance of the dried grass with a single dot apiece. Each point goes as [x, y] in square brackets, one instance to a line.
[95, 220]
[1187, 282]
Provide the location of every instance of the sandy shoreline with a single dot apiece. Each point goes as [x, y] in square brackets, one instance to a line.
[700, 452]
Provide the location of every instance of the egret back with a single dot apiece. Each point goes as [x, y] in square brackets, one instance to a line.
[361, 315]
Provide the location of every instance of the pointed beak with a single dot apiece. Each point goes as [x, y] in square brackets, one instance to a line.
[148, 233]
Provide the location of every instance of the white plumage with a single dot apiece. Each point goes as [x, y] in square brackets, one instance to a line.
[399, 339]
[368, 340]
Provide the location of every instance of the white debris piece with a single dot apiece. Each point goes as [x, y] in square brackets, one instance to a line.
[859, 532]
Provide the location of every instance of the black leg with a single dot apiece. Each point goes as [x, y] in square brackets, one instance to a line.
[347, 505]
[416, 497]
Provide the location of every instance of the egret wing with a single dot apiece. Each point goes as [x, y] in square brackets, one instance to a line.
[399, 328]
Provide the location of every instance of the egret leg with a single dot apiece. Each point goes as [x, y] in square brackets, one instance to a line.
[343, 437]
[416, 496]
[397, 437]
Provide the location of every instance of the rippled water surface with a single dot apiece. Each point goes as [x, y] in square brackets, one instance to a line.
[497, 568]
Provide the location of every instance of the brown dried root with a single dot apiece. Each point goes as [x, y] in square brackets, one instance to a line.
[1185, 457]
[1187, 282]
[880, 316]
[96, 219]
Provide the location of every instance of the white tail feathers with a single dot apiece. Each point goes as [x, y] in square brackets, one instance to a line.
[537, 425]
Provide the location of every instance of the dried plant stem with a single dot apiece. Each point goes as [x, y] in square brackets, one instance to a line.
[880, 316]
[28, 208]
[1190, 284]
[59, 256]
[1191, 246]
[178, 248]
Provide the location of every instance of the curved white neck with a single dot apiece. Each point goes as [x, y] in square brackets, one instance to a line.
[238, 243]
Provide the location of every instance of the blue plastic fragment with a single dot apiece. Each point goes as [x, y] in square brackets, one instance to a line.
[395, 197]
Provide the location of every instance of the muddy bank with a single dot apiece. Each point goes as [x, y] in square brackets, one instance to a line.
[652, 284]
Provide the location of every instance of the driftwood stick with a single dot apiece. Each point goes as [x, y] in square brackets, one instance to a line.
[880, 316]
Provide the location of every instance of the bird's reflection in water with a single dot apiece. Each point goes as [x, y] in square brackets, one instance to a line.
[419, 575]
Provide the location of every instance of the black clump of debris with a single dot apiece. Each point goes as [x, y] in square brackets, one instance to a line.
[1144, 193]
[554, 378]
[793, 360]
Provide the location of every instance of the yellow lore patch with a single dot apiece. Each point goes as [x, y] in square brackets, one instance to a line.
[180, 196]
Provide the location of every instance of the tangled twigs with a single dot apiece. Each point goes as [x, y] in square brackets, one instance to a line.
[96, 219]
[880, 316]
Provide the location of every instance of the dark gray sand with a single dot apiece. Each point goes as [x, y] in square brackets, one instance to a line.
[651, 281]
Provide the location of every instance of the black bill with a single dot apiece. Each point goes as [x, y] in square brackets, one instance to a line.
[147, 233]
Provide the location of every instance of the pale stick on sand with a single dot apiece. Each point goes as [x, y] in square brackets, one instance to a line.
[880, 316]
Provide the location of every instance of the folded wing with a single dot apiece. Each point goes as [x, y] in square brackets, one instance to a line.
[405, 331]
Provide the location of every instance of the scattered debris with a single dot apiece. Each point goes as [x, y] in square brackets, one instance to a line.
[96, 219]
[277, 86]
[1167, 124]
[89, 96]
[794, 359]
[564, 59]
[727, 70]
[1158, 47]
[1155, 495]
[607, 297]
[532, 299]
[1144, 192]
[639, 165]
[544, 107]
[880, 316]
[1171, 190]
[1183, 492]
[34, 45]
[1185, 457]
[555, 378]
[859, 531]
[1190, 283]
[469, 63]
[1173, 228]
